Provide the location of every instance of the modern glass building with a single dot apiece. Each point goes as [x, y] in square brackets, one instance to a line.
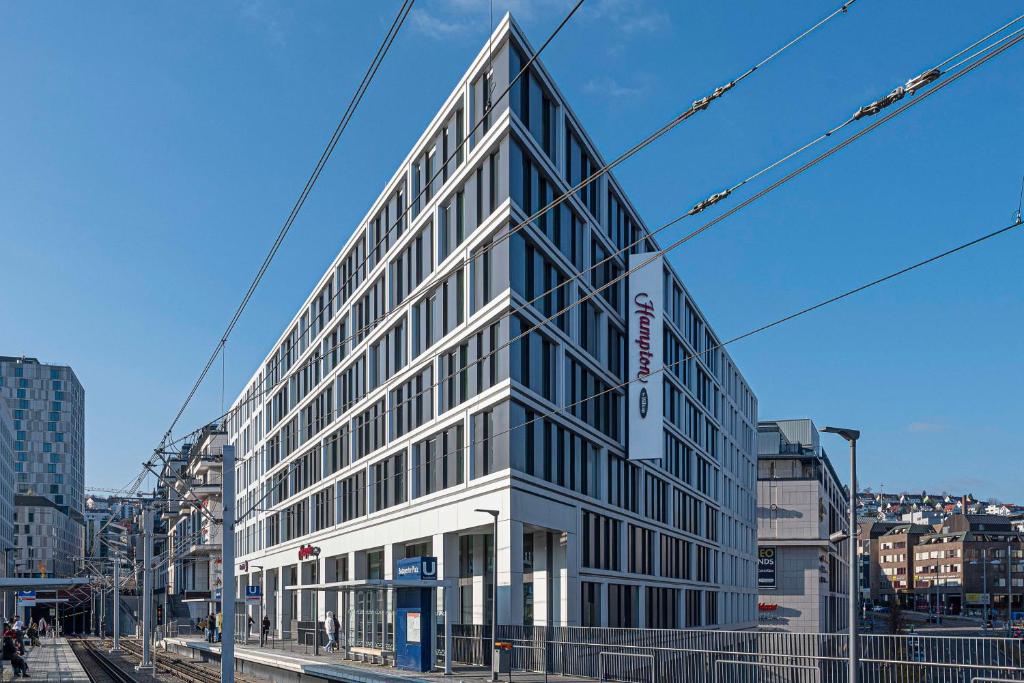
[390, 411]
[47, 403]
[7, 499]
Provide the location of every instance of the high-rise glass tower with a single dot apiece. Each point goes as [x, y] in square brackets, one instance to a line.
[47, 404]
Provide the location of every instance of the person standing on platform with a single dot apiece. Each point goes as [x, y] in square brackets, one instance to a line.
[329, 630]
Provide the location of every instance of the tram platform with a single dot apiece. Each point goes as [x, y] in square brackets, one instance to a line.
[52, 659]
[290, 661]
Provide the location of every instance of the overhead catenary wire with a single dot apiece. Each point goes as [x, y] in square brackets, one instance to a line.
[395, 25]
[732, 340]
[697, 106]
[658, 253]
[777, 184]
[953, 78]
[375, 63]
[357, 97]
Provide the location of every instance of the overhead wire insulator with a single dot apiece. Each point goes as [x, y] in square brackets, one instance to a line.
[710, 201]
[878, 105]
[702, 103]
[921, 80]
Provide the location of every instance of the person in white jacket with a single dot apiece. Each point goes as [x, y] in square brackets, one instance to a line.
[332, 645]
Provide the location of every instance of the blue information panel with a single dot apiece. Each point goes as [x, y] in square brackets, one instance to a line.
[414, 643]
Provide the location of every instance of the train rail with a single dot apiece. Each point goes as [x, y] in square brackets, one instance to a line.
[178, 667]
[99, 666]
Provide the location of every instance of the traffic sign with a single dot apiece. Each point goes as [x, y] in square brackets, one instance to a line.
[253, 595]
[216, 594]
[26, 598]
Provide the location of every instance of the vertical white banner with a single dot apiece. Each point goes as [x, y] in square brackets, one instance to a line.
[645, 312]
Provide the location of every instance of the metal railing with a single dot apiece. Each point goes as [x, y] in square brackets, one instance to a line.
[531, 656]
[695, 655]
[309, 638]
[632, 669]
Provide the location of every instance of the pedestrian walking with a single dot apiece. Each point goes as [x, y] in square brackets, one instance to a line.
[329, 630]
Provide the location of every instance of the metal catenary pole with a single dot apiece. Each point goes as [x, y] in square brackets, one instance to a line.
[146, 665]
[227, 594]
[116, 607]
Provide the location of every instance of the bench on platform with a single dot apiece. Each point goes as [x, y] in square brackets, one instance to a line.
[372, 655]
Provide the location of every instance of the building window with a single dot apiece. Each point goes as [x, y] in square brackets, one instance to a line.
[600, 541]
[623, 606]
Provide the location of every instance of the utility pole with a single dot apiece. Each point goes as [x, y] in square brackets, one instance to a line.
[166, 571]
[146, 665]
[116, 607]
[227, 591]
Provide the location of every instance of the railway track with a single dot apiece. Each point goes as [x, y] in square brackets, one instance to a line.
[178, 667]
[98, 665]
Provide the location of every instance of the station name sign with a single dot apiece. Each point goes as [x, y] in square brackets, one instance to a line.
[416, 569]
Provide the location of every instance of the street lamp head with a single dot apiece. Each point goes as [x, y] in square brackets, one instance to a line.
[838, 537]
[492, 513]
[846, 433]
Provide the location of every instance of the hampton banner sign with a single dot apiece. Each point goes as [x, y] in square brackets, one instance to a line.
[646, 312]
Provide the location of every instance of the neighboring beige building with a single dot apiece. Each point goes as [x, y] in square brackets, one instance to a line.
[800, 502]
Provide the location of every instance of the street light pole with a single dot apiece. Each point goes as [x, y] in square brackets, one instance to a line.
[851, 436]
[984, 582]
[1009, 586]
[494, 589]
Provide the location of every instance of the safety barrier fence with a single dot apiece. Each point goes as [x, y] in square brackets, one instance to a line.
[642, 655]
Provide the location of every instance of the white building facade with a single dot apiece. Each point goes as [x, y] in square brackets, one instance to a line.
[393, 407]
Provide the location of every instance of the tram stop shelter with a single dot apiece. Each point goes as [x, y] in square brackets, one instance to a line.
[16, 584]
[371, 610]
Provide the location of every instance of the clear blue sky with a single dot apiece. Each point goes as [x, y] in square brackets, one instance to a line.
[150, 151]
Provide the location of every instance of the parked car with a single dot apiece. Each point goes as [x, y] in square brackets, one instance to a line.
[881, 609]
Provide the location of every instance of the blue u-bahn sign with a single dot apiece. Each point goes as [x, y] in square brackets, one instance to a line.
[416, 569]
[253, 595]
